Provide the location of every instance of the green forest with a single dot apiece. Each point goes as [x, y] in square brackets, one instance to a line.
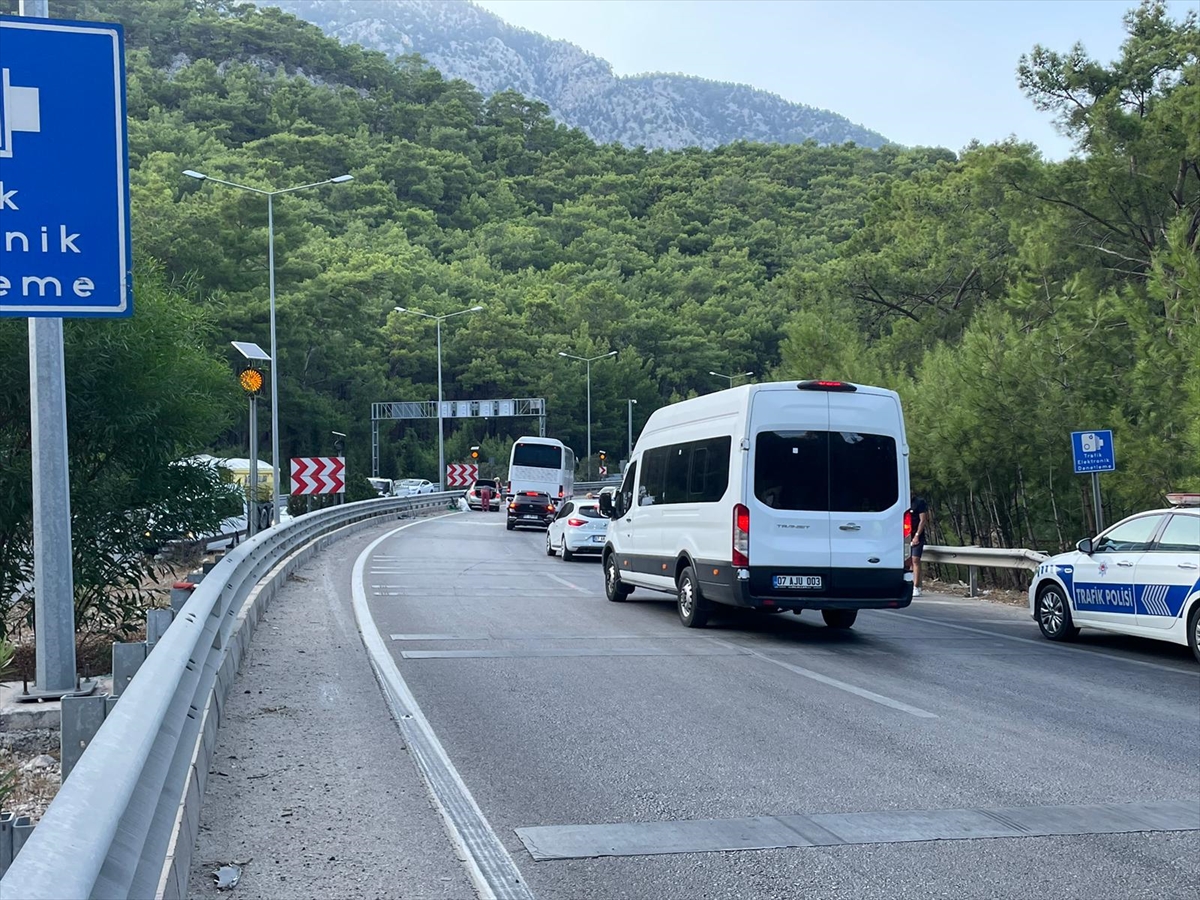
[1009, 299]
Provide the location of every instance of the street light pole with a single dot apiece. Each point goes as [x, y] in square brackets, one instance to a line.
[441, 436]
[731, 377]
[632, 404]
[441, 425]
[277, 497]
[275, 514]
[589, 362]
[589, 415]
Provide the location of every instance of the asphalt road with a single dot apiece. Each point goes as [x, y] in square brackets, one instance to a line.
[558, 708]
[944, 751]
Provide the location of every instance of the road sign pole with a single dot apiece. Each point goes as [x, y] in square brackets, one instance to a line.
[53, 578]
[1099, 507]
[252, 476]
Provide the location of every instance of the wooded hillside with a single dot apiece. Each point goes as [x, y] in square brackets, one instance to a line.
[1008, 299]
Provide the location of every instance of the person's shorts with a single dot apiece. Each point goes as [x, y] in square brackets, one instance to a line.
[917, 550]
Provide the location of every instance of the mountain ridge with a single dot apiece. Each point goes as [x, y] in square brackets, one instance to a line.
[650, 109]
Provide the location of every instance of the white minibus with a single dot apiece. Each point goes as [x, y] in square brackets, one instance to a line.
[781, 496]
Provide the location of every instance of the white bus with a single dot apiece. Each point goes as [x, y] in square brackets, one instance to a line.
[542, 464]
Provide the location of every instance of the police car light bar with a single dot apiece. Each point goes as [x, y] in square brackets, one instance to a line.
[1181, 499]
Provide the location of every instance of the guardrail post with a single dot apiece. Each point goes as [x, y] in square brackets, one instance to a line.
[127, 659]
[21, 830]
[180, 595]
[157, 623]
[6, 841]
[972, 581]
[81, 719]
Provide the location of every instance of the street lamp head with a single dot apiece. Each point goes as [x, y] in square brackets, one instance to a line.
[192, 173]
[634, 402]
[718, 374]
[338, 433]
[400, 308]
[747, 374]
[613, 353]
[341, 179]
[560, 353]
[476, 309]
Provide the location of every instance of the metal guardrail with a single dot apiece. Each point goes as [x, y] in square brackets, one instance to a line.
[976, 558]
[582, 487]
[124, 823]
[985, 557]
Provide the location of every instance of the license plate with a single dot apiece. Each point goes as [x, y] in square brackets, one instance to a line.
[598, 538]
[530, 517]
[798, 582]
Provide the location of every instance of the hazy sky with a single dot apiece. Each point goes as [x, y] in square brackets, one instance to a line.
[917, 71]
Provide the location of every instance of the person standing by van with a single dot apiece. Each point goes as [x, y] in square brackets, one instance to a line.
[920, 514]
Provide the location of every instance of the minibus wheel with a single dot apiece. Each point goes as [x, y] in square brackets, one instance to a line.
[693, 608]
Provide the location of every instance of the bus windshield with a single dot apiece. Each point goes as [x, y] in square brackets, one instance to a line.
[538, 456]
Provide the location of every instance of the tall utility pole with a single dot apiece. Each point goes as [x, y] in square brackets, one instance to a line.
[441, 430]
[589, 362]
[277, 497]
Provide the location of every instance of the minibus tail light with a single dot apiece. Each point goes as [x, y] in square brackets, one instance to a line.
[741, 535]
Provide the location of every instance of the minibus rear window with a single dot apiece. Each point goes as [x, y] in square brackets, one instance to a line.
[822, 471]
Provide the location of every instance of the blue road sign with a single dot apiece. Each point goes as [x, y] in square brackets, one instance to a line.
[64, 170]
[1093, 451]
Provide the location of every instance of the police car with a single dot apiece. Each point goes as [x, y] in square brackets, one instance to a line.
[1140, 577]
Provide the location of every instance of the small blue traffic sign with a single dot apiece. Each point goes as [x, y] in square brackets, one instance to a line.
[1093, 451]
[64, 170]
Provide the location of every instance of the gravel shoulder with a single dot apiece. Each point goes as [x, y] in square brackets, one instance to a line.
[312, 791]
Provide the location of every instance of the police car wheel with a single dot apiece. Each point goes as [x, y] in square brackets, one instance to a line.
[1194, 631]
[1054, 615]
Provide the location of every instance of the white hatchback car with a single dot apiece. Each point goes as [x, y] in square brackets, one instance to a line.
[1139, 577]
[578, 527]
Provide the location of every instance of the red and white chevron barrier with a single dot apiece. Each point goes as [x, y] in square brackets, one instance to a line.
[461, 475]
[318, 475]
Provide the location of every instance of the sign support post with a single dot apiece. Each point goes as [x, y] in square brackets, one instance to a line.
[1093, 452]
[53, 577]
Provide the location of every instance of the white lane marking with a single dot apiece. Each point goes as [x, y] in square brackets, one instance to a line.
[477, 844]
[835, 683]
[1047, 645]
[568, 583]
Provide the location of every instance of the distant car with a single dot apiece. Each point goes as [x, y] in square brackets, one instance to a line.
[530, 509]
[383, 486]
[578, 527]
[411, 487]
[474, 498]
[1139, 577]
